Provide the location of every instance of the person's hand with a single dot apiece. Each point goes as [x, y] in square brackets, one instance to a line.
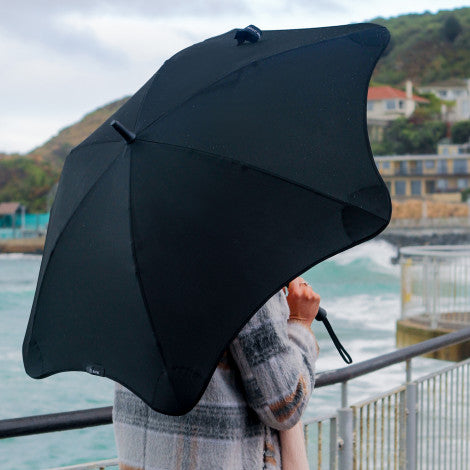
[303, 302]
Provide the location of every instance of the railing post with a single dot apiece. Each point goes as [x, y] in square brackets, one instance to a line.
[402, 428]
[345, 439]
[344, 394]
[435, 293]
[333, 444]
[408, 371]
[411, 427]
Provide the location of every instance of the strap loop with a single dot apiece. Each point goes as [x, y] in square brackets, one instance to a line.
[321, 316]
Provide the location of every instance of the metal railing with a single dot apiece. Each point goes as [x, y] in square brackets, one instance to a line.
[384, 432]
[99, 465]
[379, 431]
[424, 424]
[443, 418]
[435, 285]
[390, 431]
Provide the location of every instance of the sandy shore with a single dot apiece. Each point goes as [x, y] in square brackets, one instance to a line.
[22, 245]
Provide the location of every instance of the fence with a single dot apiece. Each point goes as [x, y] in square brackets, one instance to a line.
[435, 285]
[423, 424]
[443, 419]
[26, 226]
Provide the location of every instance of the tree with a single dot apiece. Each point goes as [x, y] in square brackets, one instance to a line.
[452, 28]
[461, 132]
[431, 111]
[406, 137]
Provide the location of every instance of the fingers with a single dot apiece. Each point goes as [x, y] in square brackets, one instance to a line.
[300, 285]
[295, 283]
[303, 301]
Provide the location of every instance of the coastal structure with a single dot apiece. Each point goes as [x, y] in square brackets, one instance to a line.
[444, 175]
[9, 213]
[435, 296]
[17, 228]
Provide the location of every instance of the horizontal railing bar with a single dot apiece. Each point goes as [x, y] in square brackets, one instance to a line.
[64, 421]
[455, 366]
[68, 420]
[91, 465]
[375, 398]
[317, 419]
[344, 374]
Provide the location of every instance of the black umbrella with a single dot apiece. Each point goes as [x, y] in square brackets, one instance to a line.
[239, 165]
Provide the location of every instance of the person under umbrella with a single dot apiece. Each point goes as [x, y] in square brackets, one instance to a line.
[231, 172]
[249, 415]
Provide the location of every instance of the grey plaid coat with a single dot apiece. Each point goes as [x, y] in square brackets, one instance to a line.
[261, 385]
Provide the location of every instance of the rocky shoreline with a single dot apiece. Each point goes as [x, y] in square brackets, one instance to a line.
[396, 236]
[438, 236]
[22, 245]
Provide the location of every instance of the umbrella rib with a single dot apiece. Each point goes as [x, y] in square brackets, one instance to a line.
[266, 172]
[215, 82]
[141, 105]
[83, 145]
[52, 250]
[142, 290]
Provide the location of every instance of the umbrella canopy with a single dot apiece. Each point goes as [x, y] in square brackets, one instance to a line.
[235, 168]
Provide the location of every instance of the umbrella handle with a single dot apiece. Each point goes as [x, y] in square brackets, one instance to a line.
[321, 316]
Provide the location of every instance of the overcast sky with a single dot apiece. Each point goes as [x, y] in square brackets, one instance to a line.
[61, 59]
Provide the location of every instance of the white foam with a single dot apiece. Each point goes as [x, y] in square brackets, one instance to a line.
[375, 311]
[379, 252]
[14, 356]
[10, 256]
[17, 288]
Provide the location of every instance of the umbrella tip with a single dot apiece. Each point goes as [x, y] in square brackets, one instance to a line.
[125, 133]
[250, 33]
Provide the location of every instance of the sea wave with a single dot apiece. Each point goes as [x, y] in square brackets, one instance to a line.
[12, 256]
[377, 254]
[379, 312]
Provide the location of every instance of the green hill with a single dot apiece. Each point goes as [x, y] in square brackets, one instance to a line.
[56, 149]
[425, 48]
[29, 178]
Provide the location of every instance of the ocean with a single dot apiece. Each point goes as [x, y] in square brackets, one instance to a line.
[360, 289]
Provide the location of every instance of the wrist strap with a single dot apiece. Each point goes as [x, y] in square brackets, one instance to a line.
[321, 316]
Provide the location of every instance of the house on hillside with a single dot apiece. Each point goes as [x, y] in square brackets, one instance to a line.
[16, 223]
[385, 104]
[455, 89]
[12, 216]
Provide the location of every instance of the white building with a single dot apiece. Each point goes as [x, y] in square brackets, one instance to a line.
[388, 103]
[385, 104]
[456, 90]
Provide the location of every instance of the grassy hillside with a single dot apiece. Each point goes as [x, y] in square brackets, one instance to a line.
[29, 178]
[56, 149]
[426, 47]
[27, 181]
